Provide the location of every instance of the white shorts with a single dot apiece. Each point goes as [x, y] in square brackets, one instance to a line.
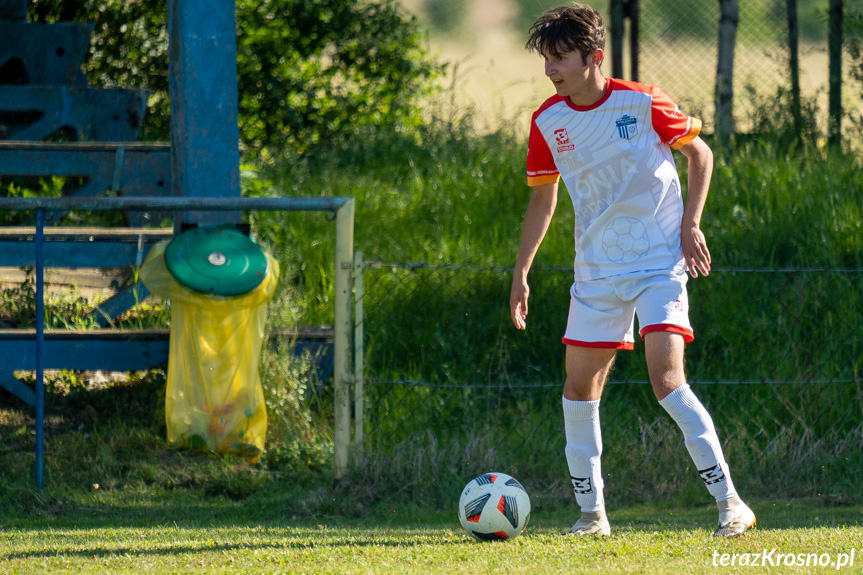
[602, 312]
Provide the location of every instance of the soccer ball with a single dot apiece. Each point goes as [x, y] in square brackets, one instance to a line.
[494, 507]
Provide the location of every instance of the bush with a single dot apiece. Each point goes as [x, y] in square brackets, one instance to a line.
[316, 71]
[309, 71]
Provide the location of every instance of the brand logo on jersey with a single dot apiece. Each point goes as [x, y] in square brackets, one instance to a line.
[561, 136]
[562, 139]
[627, 127]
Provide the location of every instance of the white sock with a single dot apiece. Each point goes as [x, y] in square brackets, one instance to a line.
[583, 452]
[701, 440]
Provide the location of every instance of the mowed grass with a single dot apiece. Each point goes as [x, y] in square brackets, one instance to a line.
[447, 196]
[654, 539]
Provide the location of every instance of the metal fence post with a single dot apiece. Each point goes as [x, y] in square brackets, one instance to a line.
[834, 94]
[616, 30]
[359, 366]
[724, 92]
[794, 64]
[342, 352]
[40, 348]
[631, 10]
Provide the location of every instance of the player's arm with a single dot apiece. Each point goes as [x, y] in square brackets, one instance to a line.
[543, 200]
[695, 252]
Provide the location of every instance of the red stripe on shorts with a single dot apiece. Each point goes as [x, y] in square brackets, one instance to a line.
[687, 334]
[600, 344]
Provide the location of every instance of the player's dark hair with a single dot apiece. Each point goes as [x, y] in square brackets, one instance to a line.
[567, 29]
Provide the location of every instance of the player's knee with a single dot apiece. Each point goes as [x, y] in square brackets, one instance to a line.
[579, 388]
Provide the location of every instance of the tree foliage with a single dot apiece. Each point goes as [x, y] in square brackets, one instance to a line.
[312, 70]
[128, 48]
[309, 71]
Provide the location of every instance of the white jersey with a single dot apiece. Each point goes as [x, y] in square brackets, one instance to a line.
[615, 159]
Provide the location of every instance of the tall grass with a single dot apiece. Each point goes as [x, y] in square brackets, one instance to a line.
[106, 453]
[786, 207]
[446, 198]
[69, 308]
[786, 441]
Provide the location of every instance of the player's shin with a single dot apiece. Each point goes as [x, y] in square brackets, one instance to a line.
[701, 440]
[583, 452]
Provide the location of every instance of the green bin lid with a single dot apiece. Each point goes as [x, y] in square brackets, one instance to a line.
[217, 260]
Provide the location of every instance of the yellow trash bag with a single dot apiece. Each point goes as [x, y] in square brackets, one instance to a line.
[214, 398]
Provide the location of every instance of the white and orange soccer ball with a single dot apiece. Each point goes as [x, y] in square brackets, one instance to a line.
[494, 507]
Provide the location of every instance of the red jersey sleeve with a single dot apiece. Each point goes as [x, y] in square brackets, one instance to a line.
[674, 128]
[540, 163]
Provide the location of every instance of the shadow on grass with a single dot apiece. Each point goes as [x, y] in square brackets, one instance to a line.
[171, 549]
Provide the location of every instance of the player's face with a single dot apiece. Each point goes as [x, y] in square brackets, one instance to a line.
[575, 78]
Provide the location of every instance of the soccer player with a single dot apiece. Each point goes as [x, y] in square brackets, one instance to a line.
[610, 141]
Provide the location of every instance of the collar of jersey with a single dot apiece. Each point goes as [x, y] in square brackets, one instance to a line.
[597, 104]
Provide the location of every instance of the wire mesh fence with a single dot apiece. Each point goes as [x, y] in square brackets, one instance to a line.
[678, 50]
[450, 325]
[452, 389]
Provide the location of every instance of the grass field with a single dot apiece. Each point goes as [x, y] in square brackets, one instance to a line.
[118, 499]
[449, 196]
[654, 540]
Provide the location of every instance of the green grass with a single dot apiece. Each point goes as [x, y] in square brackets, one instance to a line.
[443, 196]
[800, 440]
[655, 539]
[447, 196]
[453, 203]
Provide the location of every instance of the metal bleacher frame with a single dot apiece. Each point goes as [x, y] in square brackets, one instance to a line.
[131, 349]
[195, 178]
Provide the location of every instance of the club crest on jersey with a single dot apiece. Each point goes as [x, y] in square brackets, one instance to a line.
[627, 127]
[562, 139]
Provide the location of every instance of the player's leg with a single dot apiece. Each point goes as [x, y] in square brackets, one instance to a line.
[586, 373]
[665, 363]
[664, 352]
[599, 324]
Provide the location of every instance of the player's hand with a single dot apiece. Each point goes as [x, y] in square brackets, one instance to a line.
[695, 251]
[518, 303]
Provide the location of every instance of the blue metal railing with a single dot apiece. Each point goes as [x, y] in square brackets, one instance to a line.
[165, 204]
